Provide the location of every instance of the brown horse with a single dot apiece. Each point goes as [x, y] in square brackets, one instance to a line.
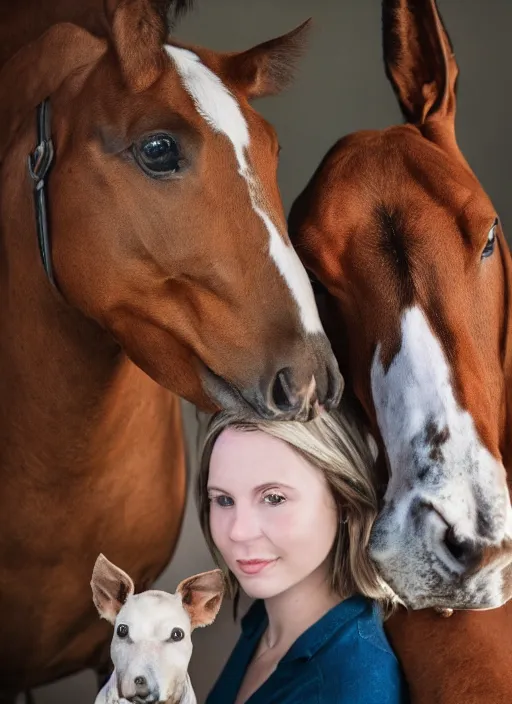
[151, 259]
[417, 287]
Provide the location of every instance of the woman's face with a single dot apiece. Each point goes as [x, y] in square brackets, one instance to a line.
[272, 515]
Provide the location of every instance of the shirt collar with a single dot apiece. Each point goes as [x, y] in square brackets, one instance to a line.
[254, 620]
[316, 636]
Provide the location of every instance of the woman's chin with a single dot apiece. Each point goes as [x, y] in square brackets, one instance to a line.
[261, 587]
[257, 591]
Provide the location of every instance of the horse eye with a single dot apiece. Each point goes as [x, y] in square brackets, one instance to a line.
[316, 285]
[158, 155]
[122, 630]
[177, 634]
[491, 240]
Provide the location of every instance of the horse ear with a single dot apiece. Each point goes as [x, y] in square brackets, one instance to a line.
[111, 587]
[268, 68]
[139, 30]
[419, 60]
[201, 596]
[37, 70]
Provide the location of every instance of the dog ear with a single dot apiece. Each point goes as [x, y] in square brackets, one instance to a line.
[202, 596]
[111, 587]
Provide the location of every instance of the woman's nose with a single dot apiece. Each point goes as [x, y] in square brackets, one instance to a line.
[245, 525]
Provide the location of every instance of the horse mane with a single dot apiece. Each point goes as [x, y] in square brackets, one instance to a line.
[178, 8]
[171, 11]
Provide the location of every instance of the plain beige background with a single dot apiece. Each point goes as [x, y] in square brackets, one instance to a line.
[341, 87]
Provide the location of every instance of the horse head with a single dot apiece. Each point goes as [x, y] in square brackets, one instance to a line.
[411, 256]
[165, 222]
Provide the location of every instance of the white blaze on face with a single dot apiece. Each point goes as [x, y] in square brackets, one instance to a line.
[463, 480]
[220, 109]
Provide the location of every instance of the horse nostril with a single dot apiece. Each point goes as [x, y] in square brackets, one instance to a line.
[464, 551]
[282, 395]
[140, 681]
[454, 547]
[335, 386]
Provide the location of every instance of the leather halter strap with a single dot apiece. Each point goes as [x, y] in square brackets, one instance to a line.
[39, 163]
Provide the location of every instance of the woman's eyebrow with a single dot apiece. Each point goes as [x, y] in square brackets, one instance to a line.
[261, 487]
[272, 485]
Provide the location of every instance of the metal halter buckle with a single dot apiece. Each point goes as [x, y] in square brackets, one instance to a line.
[39, 163]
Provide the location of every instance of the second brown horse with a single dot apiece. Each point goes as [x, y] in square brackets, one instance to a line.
[417, 284]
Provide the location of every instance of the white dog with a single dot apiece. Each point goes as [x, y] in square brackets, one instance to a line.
[151, 646]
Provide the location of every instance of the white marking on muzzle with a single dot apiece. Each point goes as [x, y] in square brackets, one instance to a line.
[416, 392]
[216, 104]
[442, 479]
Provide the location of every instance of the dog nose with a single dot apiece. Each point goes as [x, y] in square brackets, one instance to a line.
[141, 688]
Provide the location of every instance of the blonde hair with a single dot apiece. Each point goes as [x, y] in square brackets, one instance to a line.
[334, 444]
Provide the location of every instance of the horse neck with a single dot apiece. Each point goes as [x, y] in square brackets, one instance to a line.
[24, 21]
[63, 379]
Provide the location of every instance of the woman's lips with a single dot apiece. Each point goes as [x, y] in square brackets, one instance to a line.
[254, 566]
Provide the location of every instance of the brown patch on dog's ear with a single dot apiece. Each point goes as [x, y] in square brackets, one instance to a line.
[202, 596]
[111, 587]
[267, 68]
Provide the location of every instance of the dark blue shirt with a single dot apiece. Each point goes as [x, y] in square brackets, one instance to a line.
[344, 658]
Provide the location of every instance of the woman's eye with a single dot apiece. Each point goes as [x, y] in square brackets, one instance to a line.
[491, 240]
[274, 499]
[223, 501]
[158, 155]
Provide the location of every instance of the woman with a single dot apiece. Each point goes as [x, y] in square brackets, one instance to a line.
[286, 509]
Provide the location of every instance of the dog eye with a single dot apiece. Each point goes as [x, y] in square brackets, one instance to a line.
[122, 630]
[177, 635]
